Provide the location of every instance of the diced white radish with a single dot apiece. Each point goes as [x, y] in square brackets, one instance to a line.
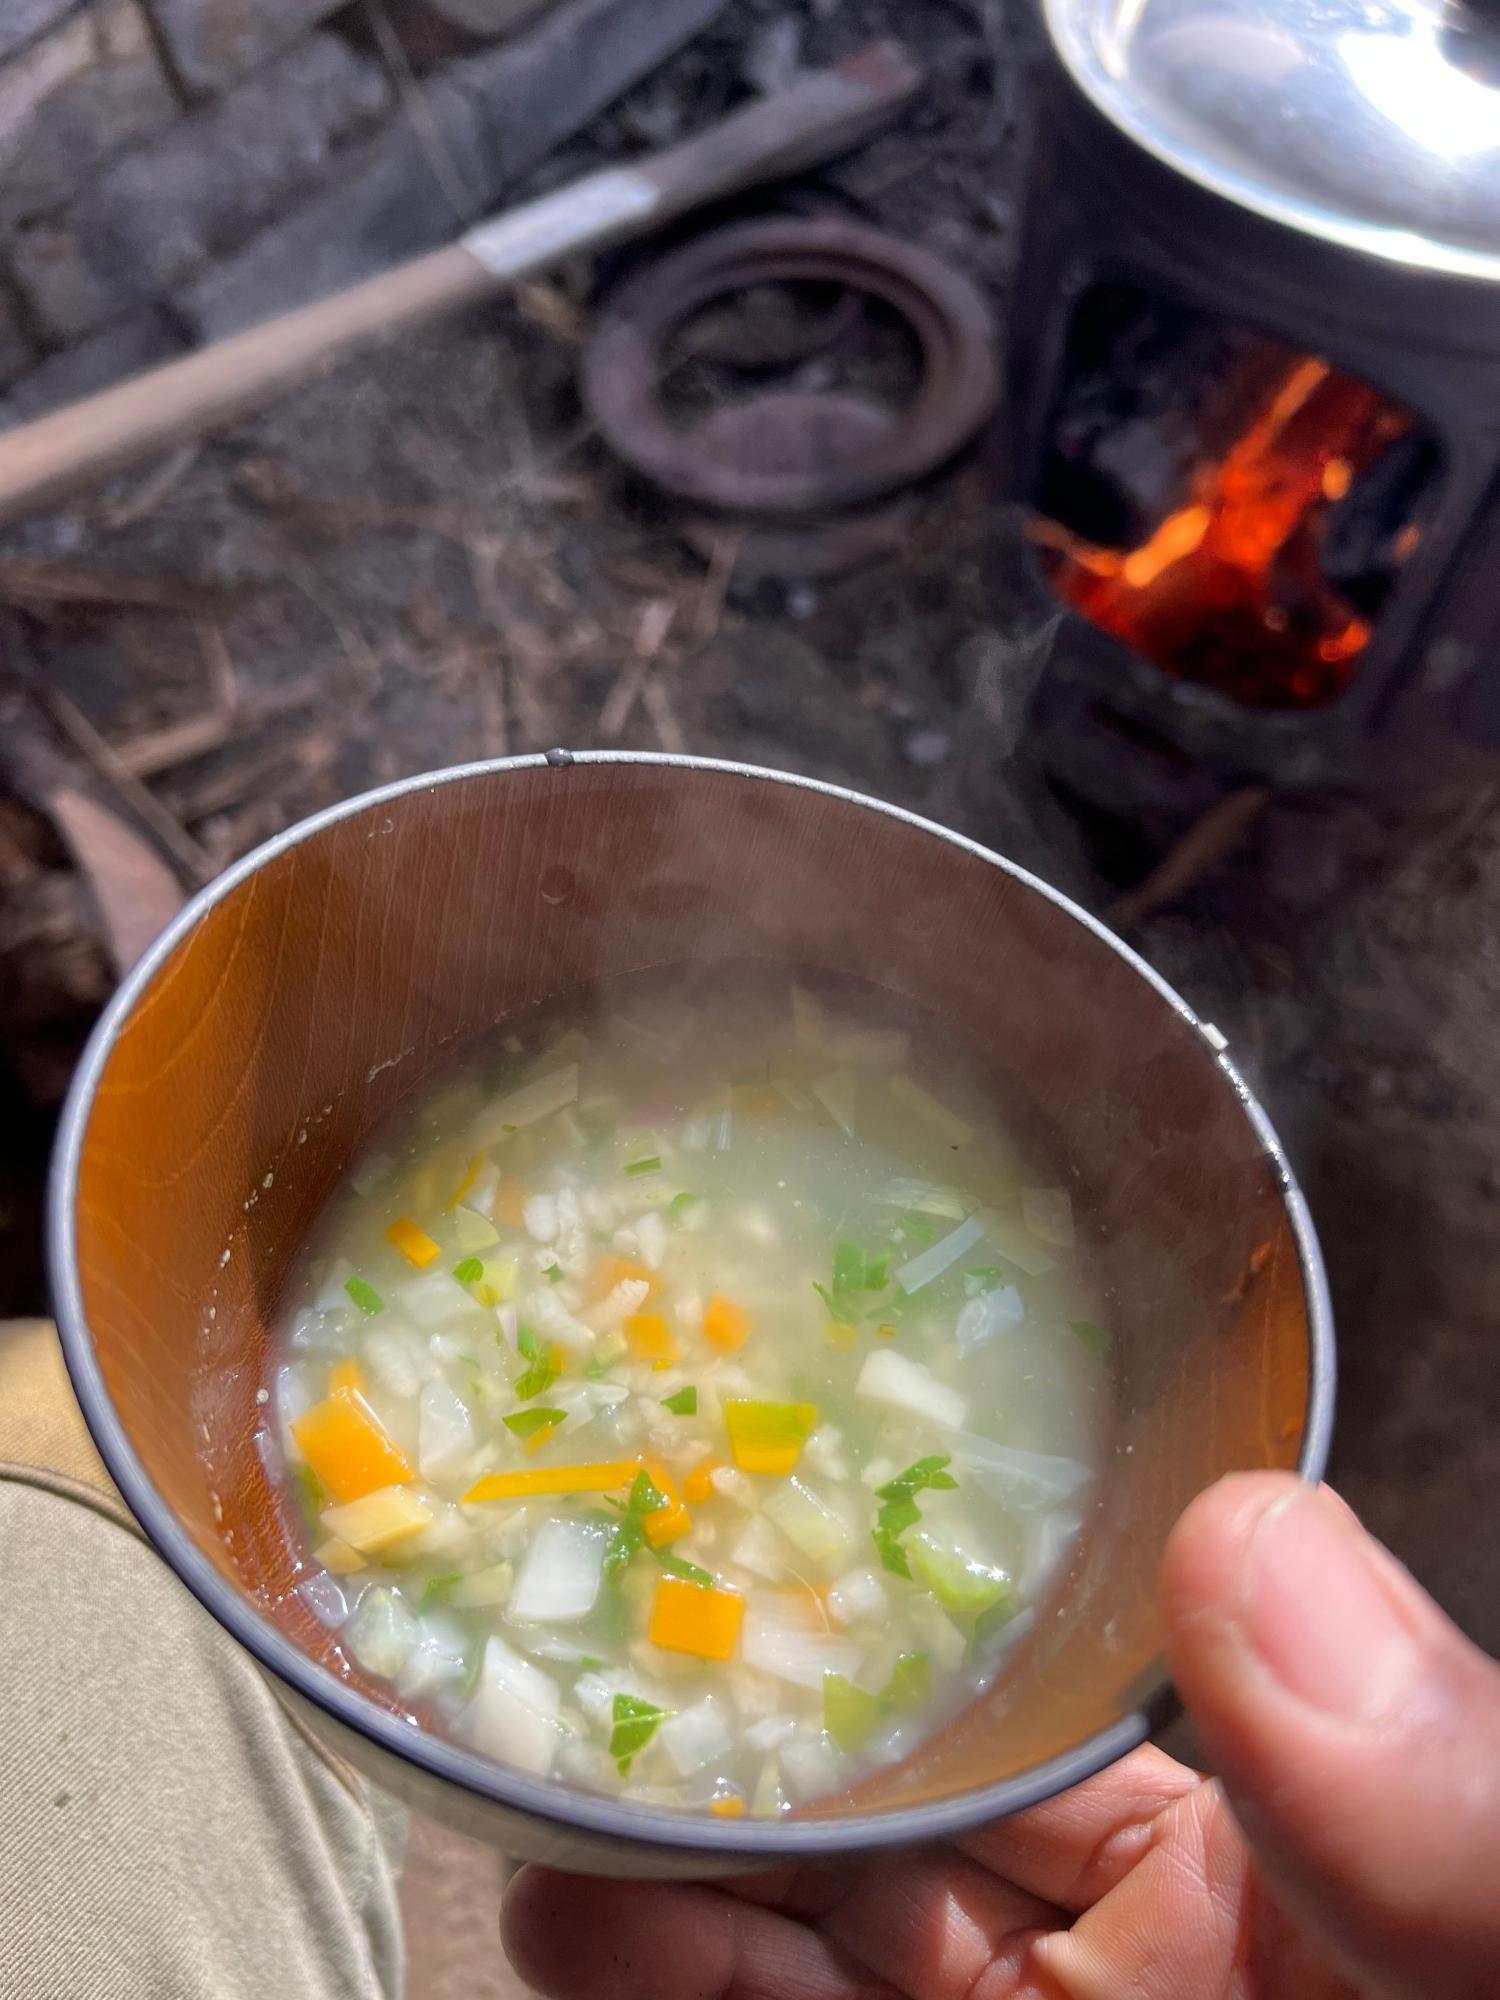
[768, 1800]
[807, 1520]
[445, 1432]
[473, 1233]
[1049, 1542]
[920, 1271]
[331, 1294]
[859, 1593]
[436, 1660]
[1017, 1246]
[760, 1550]
[770, 1731]
[651, 1236]
[927, 1199]
[370, 1172]
[483, 1587]
[313, 1331]
[617, 1305]
[323, 1595]
[892, 1382]
[810, 1765]
[513, 1713]
[479, 1195]
[793, 1653]
[560, 1578]
[947, 1122]
[838, 1094]
[732, 1485]
[550, 1318]
[1021, 1478]
[941, 1639]
[823, 1452]
[539, 1214]
[696, 1737]
[290, 1397]
[432, 1300]
[448, 1533]
[381, 1631]
[1048, 1213]
[519, 1108]
[991, 1314]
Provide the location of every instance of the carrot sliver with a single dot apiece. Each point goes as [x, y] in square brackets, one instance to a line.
[686, 1618]
[415, 1245]
[611, 1271]
[726, 1325]
[509, 1204]
[605, 1477]
[651, 1339]
[669, 1523]
[467, 1182]
[731, 1806]
[346, 1375]
[698, 1486]
[346, 1445]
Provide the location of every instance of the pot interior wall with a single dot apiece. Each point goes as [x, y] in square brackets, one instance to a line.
[336, 977]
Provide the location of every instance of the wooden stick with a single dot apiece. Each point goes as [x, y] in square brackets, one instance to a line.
[818, 115]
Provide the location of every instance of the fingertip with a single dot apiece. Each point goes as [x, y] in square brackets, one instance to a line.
[1203, 1565]
[535, 1914]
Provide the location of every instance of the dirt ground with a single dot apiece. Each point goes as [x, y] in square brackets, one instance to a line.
[436, 550]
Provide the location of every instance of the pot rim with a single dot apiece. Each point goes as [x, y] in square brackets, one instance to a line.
[569, 1809]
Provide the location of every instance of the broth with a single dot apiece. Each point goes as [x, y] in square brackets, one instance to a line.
[694, 1395]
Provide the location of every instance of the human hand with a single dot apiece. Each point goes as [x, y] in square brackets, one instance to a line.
[1357, 1856]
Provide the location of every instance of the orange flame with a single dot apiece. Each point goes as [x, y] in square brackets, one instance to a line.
[1229, 590]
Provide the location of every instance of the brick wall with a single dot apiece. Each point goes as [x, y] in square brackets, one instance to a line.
[172, 170]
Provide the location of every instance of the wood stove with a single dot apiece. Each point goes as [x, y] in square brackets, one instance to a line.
[1255, 393]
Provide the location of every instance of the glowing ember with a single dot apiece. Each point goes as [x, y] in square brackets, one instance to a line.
[1229, 590]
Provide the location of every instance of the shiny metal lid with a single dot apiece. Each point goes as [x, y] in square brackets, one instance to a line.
[1371, 123]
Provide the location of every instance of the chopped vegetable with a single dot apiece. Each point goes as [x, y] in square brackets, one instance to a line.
[688, 1211]
[683, 1404]
[679, 1566]
[513, 1713]
[822, 1535]
[910, 1682]
[726, 1325]
[685, 1618]
[697, 1737]
[1048, 1213]
[445, 1431]
[562, 1574]
[670, 1520]
[338, 1558]
[896, 1383]
[635, 1723]
[849, 1714]
[542, 1369]
[438, 1589]
[610, 1273]
[364, 1295]
[526, 1106]
[987, 1316]
[650, 1339]
[837, 1093]
[526, 1423]
[468, 1270]
[945, 1252]
[343, 1441]
[378, 1520]
[606, 1477]
[346, 1375]
[963, 1587]
[768, 1437]
[728, 1806]
[651, 1164]
[899, 1510]
[415, 1245]
[699, 1483]
[945, 1122]
[630, 1534]
[1096, 1341]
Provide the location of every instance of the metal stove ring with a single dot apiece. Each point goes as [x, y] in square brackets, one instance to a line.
[948, 316]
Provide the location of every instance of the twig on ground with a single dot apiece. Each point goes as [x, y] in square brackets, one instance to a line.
[1212, 838]
[118, 778]
[652, 627]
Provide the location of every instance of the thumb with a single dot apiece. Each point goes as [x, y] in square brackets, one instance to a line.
[1356, 1730]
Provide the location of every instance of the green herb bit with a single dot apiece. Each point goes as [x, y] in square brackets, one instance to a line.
[635, 1723]
[594, 1369]
[684, 1403]
[526, 1343]
[630, 1534]
[537, 1379]
[916, 1227]
[312, 1496]
[526, 1423]
[983, 1278]
[848, 1267]
[1096, 1341]
[849, 1714]
[910, 1682]
[439, 1589]
[553, 1274]
[589, 1665]
[992, 1618]
[680, 1566]
[899, 1510]
[683, 1205]
[650, 1165]
[364, 1295]
[468, 1270]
